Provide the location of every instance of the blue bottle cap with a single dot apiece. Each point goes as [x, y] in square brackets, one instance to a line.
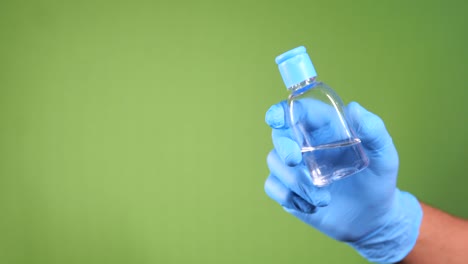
[295, 66]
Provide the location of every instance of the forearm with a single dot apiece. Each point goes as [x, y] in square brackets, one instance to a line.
[442, 239]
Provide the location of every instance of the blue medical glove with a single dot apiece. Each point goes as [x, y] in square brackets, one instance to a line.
[365, 210]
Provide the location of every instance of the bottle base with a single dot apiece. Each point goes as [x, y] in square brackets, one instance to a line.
[321, 181]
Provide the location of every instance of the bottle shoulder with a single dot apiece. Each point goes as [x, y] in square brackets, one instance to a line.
[316, 89]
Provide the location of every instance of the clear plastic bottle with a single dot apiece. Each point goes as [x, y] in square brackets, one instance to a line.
[316, 115]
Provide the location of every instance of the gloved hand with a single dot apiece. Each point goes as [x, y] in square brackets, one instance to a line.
[365, 210]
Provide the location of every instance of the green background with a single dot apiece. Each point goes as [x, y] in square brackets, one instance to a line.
[133, 132]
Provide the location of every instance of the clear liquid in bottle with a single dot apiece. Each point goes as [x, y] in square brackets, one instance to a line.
[333, 161]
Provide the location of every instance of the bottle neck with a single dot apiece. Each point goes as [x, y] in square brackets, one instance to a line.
[303, 86]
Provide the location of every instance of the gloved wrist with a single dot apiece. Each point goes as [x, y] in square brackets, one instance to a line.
[395, 239]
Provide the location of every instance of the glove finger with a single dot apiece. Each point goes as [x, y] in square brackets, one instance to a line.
[298, 180]
[275, 116]
[312, 114]
[285, 197]
[287, 148]
[282, 137]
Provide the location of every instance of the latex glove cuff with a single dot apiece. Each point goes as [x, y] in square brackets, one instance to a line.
[393, 241]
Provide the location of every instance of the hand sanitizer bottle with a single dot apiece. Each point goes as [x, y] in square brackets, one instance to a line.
[316, 116]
